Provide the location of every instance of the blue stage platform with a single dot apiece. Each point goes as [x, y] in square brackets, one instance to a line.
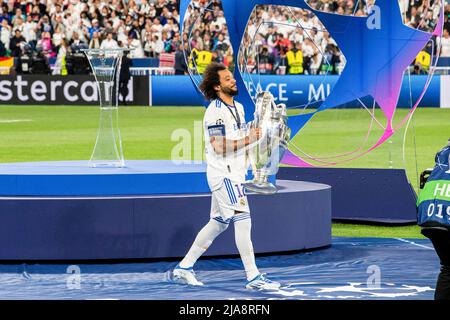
[76, 178]
[151, 209]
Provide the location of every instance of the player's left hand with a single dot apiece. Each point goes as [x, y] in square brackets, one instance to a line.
[255, 134]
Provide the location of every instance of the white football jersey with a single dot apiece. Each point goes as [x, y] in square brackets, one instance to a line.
[222, 120]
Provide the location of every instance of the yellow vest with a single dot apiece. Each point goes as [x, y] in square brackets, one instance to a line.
[204, 58]
[63, 66]
[191, 58]
[424, 59]
[295, 62]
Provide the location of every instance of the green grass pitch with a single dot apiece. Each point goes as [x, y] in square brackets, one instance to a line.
[39, 133]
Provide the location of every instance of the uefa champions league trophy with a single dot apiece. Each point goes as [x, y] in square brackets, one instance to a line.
[106, 64]
[267, 153]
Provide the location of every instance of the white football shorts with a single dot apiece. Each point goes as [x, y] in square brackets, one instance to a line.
[230, 197]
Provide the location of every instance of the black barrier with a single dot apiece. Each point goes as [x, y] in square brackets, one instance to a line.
[61, 90]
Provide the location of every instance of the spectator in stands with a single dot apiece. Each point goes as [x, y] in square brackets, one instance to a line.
[4, 13]
[38, 6]
[95, 41]
[221, 44]
[17, 43]
[171, 27]
[167, 42]
[148, 46]
[147, 30]
[445, 43]
[82, 30]
[19, 15]
[115, 19]
[95, 28]
[5, 33]
[122, 33]
[57, 22]
[76, 43]
[60, 63]
[109, 42]
[144, 8]
[44, 45]
[309, 52]
[157, 27]
[447, 17]
[316, 62]
[29, 31]
[294, 58]
[138, 52]
[152, 11]
[229, 60]
[282, 44]
[265, 61]
[135, 30]
[44, 26]
[180, 62]
[36, 15]
[335, 59]
[158, 46]
[159, 6]
[57, 38]
[86, 21]
[176, 41]
[18, 24]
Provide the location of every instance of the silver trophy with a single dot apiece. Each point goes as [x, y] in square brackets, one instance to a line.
[266, 154]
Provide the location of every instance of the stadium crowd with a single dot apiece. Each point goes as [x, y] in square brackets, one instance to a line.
[45, 29]
[289, 40]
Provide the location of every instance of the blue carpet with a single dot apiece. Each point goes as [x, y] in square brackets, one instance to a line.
[349, 269]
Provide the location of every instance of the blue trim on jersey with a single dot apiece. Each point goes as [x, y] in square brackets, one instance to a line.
[230, 191]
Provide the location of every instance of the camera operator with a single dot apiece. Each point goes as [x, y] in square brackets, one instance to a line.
[433, 209]
[16, 44]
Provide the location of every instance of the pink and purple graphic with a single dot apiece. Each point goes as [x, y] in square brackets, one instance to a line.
[377, 56]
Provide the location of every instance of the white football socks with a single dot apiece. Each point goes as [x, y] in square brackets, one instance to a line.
[202, 242]
[242, 232]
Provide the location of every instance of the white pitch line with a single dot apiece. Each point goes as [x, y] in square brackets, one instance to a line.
[15, 120]
[413, 243]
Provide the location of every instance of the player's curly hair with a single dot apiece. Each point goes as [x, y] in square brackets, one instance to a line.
[211, 79]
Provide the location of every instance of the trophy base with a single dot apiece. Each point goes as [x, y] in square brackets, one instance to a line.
[107, 164]
[260, 187]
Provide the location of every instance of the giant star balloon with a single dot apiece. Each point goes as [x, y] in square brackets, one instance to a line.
[376, 58]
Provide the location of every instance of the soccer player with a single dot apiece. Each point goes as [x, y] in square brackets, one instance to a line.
[226, 142]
